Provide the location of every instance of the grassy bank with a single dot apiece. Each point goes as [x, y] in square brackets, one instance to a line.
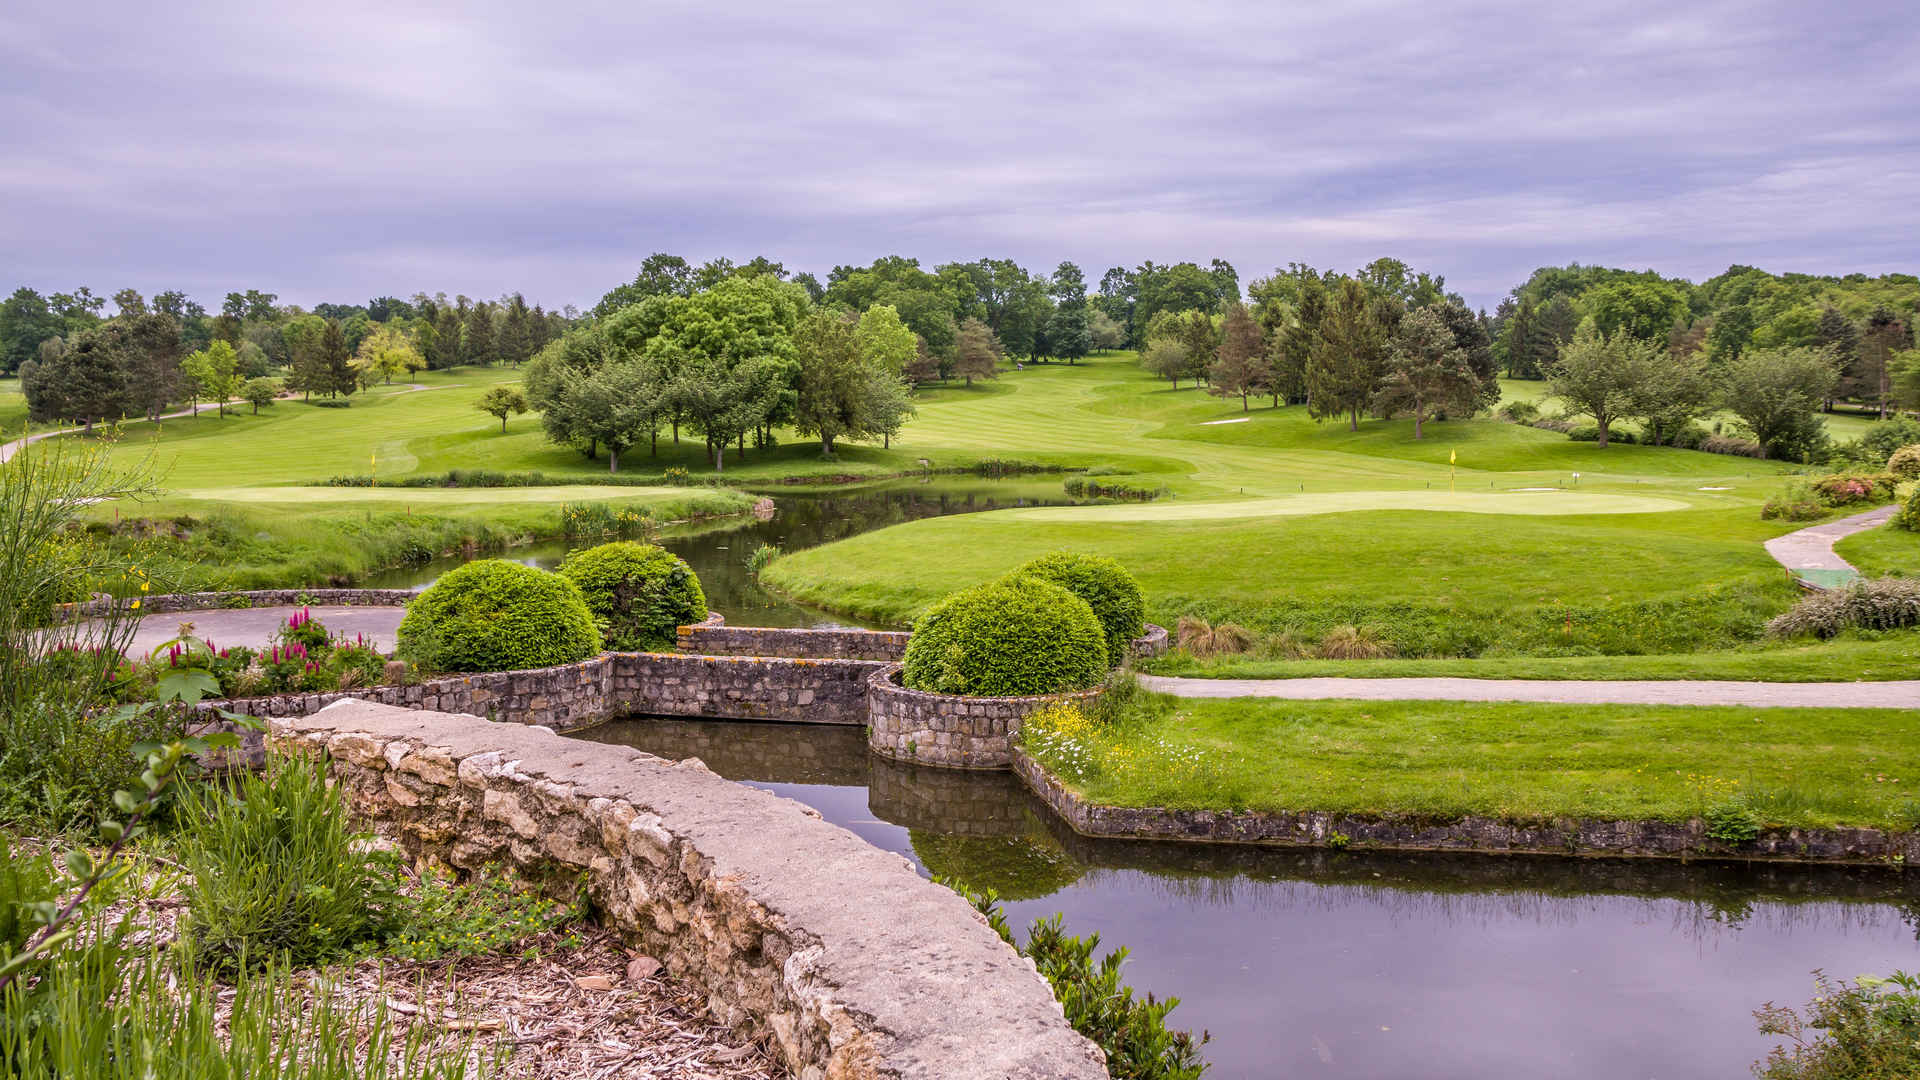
[287, 540]
[1885, 550]
[1877, 658]
[1525, 762]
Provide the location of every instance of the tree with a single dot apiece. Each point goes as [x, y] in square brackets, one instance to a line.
[977, 353]
[384, 353]
[1777, 394]
[1872, 378]
[1427, 371]
[1643, 308]
[925, 367]
[1348, 353]
[85, 380]
[1672, 389]
[258, 392]
[615, 406]
[336, 372]
[1599, 375]
[25, 322]
[302, 337]
[1200, 338]
[1240, 361]
[1070, 333]
[884, 341]
[660, 274]
[502, 401]
[1103, 333]
[843, 390]
[1470, 334]
[478, 345]
[446, 349]
[1165, 357]
[213, 373]
[516, 331]
[148, 347]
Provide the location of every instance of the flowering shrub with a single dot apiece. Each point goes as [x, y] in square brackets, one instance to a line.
[599, 519]
[1842, 489]
[303, 629]
[1076, 747]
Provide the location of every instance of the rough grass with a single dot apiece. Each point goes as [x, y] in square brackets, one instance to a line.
[13, 409]
[1809, 767]
[1874, 658]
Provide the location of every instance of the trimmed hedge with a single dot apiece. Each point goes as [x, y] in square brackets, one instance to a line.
[1010, 638]
[1107, 588]
[641, 594]
[496, 615]
[1905, 462]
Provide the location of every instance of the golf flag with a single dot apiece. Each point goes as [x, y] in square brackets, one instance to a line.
[1453, 456]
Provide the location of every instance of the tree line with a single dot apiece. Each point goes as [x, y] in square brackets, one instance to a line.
[79, 363]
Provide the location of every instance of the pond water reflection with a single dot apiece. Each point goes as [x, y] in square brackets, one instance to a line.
[1355, 964]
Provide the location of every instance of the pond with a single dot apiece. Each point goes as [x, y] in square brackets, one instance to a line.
[802, 518]
[1350, 964]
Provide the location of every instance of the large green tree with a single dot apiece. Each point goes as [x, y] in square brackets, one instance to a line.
[214, 374]
[1599, 375]
[25, 322]
[1349, 353]
[1427, 371]
[83, 381]
[1777, 393]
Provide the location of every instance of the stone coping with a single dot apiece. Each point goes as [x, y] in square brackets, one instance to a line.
[165, 603]
[840, 954]
[1471, 833]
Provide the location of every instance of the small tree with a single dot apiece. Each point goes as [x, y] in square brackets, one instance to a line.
[884, 341]
[1778, 393]
[502, 401]
[1426, 370]
[977, 352]
[1197, 333]
[1103, 333]
[1165, 357]
[616, 406]
[384, 353]
[1673, 390]
[213, 372]
[258, 392]
[1600, 376]
[1240, 363]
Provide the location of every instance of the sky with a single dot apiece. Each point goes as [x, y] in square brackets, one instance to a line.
[344, 150]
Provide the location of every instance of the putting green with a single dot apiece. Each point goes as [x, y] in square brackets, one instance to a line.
[427, 496]
[1530, 503]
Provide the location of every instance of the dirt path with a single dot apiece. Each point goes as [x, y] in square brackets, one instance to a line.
[1851, 695]
[1812, 548]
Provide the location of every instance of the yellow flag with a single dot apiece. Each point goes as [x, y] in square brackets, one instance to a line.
[1452, 456]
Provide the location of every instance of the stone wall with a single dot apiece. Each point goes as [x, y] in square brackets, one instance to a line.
[1470, 833]
[945, 729]
[1151, 643]
[841, 956]
[621, 684]
[742, 687]
[838, 644]
[163, 603]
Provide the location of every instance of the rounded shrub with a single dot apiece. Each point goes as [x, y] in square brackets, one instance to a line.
[1009, 638]
[496, 615]
[642, 594]
[1106, 587]
[1905, 462]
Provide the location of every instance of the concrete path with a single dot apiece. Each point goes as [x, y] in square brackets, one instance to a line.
[1812, 548]
[1852, 695]
[255, 627]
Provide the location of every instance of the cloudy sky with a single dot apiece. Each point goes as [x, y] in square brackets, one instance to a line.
[347, 149]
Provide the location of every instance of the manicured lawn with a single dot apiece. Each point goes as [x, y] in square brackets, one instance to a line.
[1885, 550]
[1891, 656]
[13, 409]
[1814, 767]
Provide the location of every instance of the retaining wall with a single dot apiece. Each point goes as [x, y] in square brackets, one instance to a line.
[839, 644]
[848, 962]
[163, 603]
[945, 729]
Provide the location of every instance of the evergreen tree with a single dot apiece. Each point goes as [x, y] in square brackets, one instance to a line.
[1520, 341]
[480, 346]
[1349, 351]
[1198, 337]
[516, 331]
[84, 380]
[447, 351]
[1427, 371]
[1240, 361]
[337, 375]
[977, 353]
[149, 349]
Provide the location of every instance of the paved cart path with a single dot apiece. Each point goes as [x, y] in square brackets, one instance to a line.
[255, 627]
[1812, 548]
[1854, 695]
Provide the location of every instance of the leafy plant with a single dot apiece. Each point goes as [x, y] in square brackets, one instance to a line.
[762, 555]
[1132, 1031]
[1887, 603]
[1869, 1029]
[641, 594]
[496, 615]
[277, 874]
[483, 915]
[1904, 463]
[1908, 516]
[1732, 824]
[1108, 589]
[1008, 638]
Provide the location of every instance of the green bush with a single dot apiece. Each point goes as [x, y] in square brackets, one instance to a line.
[1844, 489]
[495, 615]
[1909, 516]
[1883, 437]
[1905, 462]
[641, 594]
[1868, 1029]
[1107, 588]
[1591, 433]
[277, 875]
[1008, 638]
[1882, 604]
